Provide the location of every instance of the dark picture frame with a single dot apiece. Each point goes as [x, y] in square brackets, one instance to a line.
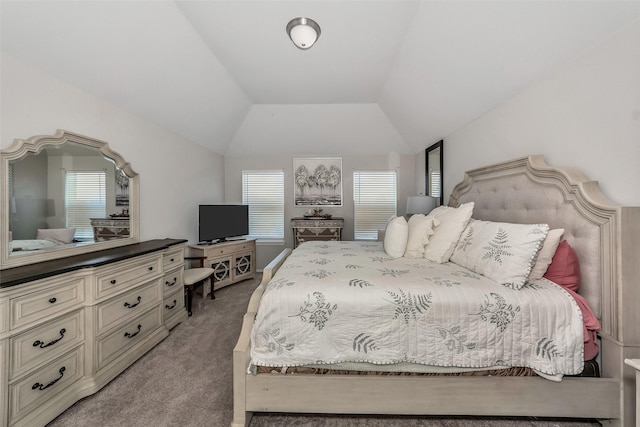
[434, 168]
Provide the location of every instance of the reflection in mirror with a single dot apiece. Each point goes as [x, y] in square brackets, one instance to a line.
[434, 166]
[65, 194]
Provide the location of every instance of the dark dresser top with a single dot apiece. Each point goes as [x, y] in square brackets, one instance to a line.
[18, 275]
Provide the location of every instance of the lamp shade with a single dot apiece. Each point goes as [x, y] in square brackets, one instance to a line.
[303, 32]
[420, 204]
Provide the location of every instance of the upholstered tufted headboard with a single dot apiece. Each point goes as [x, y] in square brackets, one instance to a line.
[527, 190]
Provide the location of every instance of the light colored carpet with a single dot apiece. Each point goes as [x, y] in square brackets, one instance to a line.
[186, 381]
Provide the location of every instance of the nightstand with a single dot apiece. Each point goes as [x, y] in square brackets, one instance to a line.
[312, 229]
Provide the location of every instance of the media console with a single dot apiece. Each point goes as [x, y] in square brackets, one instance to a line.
[233, 261]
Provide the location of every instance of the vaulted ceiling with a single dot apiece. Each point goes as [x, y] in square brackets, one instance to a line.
[384, 76]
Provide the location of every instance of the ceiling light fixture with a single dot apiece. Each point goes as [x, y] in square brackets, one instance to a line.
[303, 32]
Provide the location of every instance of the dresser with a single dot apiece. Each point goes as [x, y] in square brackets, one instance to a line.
[308, 229]
[69, 326]
[232, 261]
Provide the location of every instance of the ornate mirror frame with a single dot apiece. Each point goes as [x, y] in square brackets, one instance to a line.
[34, 145]
[434, 163]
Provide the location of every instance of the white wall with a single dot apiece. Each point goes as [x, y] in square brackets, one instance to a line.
[585, 116]
[234, 166]
[175, 174]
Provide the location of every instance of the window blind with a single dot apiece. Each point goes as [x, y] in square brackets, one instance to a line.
[263, 191]
[435, 184]
[374, 202]
[85, 198]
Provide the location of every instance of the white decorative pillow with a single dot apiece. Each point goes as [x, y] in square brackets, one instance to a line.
[395, 237]
[452, 222]
[56, 235]
[420, 228]
[503, 252]
[546, 254]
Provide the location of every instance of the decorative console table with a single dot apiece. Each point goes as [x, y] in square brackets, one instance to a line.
[232, 261]
[307, 229]
[69, 326]
[110, 228]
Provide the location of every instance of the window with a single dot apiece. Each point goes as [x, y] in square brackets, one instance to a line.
[263, 191]
[85, 198]
[374, 202]
[436, 185]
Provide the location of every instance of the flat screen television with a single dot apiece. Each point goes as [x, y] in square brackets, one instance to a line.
[217, 223]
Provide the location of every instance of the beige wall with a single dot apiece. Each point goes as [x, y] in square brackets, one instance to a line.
[175, 174]
[585, 116]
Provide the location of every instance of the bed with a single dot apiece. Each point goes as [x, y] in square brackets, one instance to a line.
[523, 191]
[45, 238]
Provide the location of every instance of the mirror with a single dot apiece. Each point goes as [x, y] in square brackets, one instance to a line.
[434, 166]
[64, 195]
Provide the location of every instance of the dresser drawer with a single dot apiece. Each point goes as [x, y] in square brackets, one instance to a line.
[123, 307]
[127, 274]
[112, 345]
[45, 383]
[173, 259]
[173, 282]
[4, 311]
[38, 305]
[46, 342]
[172, 304]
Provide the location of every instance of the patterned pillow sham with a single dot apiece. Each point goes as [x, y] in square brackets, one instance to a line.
[395, 237]
[446, 234]
[420, 228]
[503, 252]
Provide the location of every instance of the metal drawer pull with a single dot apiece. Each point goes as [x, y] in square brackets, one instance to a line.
[42, 386]
[169, 307]
[53, 300]
[128, 335]
[171, 259]
[151, 268]
[126, 304]
[175, 280]
[40, 344]
[113, 281]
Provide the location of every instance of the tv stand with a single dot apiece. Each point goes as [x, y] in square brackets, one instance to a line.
[232, 260]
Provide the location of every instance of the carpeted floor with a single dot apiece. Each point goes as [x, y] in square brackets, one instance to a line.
[186, 381]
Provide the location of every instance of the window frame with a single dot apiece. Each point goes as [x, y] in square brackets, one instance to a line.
[376, 220]
[279, 208]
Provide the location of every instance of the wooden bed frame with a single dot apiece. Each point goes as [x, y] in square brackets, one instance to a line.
[526, 190]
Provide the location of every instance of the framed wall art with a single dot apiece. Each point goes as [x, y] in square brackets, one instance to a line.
[317, 181]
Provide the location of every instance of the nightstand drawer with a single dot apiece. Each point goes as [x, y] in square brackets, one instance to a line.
[45, 384]
[173, 259]
[46, 342]
[127, 274]
[173, 282]
[128, 305]
[38, 305]
[125, 337]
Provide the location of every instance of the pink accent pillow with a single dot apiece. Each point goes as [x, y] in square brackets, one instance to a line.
[565, 271]
[565, 267]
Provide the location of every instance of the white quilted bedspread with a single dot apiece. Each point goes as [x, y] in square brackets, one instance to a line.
[334, 302]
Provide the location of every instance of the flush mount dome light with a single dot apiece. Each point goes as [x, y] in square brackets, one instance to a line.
[303, 32]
